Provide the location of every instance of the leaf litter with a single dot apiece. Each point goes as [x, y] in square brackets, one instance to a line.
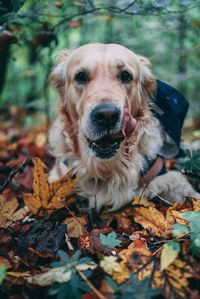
[52, 245]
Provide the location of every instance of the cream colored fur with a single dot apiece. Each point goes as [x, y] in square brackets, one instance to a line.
[111, 182]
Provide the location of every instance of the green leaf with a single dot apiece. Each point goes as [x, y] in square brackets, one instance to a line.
[179, 229]
[169, 253]
[135, 289]
[63, 255]
[110, 240]
[194, 223]
[57, 264]
[76, 256]
[2, 273]
[112, 283]
[72, 289]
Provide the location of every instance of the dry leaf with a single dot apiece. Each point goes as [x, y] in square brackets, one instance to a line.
[122, 221]
[169, 253]
[122, 275]
[110, 264]
[75, 226]
[8, 210]
[142, 202]
[19, 274]
[139, 259]
[175, 212]
[106, 217]
[5, 262]
[174, 279]
[48, 196]
[153, 220]
[60, 274]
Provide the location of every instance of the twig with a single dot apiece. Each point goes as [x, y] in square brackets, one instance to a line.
[69, 244]
[161, 198]
[13, 173]
[92, 287]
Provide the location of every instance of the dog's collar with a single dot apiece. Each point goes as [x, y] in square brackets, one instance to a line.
[154, 169]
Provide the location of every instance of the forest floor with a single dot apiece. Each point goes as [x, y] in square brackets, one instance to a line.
[52, 245]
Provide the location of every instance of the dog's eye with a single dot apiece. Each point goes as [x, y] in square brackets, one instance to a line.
[125, 77]
[81, 78]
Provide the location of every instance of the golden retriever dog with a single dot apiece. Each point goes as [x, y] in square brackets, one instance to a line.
[105, 128]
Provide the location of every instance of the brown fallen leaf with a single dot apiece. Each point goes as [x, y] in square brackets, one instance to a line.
[47, 196]
[8, 210]
[122, 221]
[138, 259]
[142, 202]
[153, 220]
[174, 213]
[118, 270]
[5, 262]
[75, 226]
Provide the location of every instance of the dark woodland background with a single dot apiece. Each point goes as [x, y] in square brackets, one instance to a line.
[32, 33]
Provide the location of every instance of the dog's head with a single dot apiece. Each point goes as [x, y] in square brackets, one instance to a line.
[104, 92]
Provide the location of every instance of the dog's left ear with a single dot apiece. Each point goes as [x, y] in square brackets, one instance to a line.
[147, 78]
[58, 76]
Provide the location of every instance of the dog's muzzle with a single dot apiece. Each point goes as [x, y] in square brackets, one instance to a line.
[112, 126]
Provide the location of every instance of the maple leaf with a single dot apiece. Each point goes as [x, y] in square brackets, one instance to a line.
[169, 253]
[110, 240]
[48, 196]
[150, 218]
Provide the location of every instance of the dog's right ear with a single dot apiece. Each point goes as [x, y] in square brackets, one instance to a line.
[58, 76]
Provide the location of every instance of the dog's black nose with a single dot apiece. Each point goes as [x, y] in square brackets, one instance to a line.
[106, 114]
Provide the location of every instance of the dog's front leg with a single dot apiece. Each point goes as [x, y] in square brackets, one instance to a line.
[172, 186]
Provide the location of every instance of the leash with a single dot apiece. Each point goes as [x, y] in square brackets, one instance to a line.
[152, 172]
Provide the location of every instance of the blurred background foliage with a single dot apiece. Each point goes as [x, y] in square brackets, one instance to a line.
[33, 31]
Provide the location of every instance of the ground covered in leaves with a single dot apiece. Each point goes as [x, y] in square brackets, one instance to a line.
[53, 246]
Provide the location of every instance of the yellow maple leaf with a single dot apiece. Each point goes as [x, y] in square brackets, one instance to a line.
[49, 196]
[150, 218]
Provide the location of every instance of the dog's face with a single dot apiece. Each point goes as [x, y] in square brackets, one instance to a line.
[96, 82]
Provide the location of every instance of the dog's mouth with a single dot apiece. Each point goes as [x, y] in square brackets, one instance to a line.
[105, 147]
[108, 145]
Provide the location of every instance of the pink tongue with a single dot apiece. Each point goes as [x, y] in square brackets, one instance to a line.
[128, 125]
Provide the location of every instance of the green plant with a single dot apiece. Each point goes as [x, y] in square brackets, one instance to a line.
[75, 286]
